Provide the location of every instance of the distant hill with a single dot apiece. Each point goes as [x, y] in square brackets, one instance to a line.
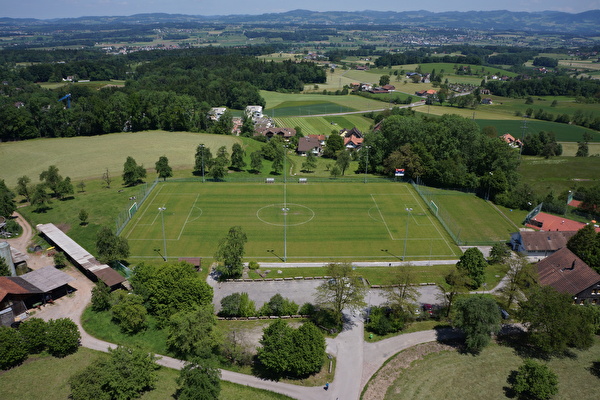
[585, 23]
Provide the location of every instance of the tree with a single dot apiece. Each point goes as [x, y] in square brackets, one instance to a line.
[218, 169]
[384, 80]
[199, 379]
[278, 305]
[521, 277]
[83, 217]
[473, 264]
[278, 161]
[33, 332]
[169, 288]
[130, 314]
[535, 381]
[51, 178]
[499, 253]
[237, 305]
[4, 268]
[287, 351]
[81, 186]
[111, 247]
[13, 349]
[231, 252]
[256, 161]
[310, 163]
[343, 161]
[100, 297]
[404, 296]
[333, 144]
[132, 173]
[335, 171]
[193, 333]
[163, 169]
[7, 200]
[65, 187]
[224, 125]
[237, 157]
[456, 285]
[553, 323]
[124, 375]
[586, 245]
[107, 178]
[203, 160]
[345, 289]
[478, 317]
[247, 128]
[62, 337]
[23, 187]
[40, 198]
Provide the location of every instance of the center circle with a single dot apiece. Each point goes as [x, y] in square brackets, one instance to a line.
[292, 214]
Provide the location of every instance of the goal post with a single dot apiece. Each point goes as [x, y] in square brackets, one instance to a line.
[433, 207]
[133, 209]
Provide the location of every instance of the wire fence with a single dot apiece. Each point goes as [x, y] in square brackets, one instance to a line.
[136, 202]
[433, 198]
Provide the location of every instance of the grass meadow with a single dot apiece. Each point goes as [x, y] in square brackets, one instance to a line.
[46, 377]
[463, 376]
[325, 221]
[559, 173]
[325, 125]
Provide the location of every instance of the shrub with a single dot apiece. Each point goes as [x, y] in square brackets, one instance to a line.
[62, 337]
[33, 332]
[535, 380]
[130, 314]
[100, 297]
[278, 305]
[237, 305]
[13, 349]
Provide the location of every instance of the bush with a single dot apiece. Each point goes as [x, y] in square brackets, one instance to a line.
[13, 349]
[307, 309]
[237, 305]
[130, 314]
[33, 332]
[253, 265]
[278, 305]
[60, 260]
[100, 297]
[535, 381]
[62, 337]
[383, 320]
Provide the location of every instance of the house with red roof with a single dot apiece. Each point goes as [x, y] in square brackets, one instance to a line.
[568, 274]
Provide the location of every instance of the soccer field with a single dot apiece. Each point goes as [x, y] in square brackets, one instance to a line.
[323, 222]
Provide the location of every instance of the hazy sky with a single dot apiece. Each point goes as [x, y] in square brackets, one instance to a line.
[45, 9]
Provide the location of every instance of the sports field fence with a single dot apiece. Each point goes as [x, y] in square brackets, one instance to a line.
[433, 198]
[135, 203]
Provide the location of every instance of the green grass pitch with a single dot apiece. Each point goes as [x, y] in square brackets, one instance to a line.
[325, 222]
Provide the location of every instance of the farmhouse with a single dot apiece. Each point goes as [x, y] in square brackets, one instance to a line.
[567, 273]
[254, 112]
[540, 244]
[308, 145]
[510, 140]
[321, 138]
[215, 113]
[19, 293]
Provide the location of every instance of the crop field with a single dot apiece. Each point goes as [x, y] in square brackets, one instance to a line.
[324, 125]
[321, 221]
[274, 100]
[292, 108]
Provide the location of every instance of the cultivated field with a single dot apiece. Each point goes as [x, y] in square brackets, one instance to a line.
[325, 221]
[324, 125]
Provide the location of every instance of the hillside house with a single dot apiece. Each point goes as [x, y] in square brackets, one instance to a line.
[285, 133]
[511, 141]
[308, 145]
[321, 138]
[568, 274]
[215, 113]
[254, 112]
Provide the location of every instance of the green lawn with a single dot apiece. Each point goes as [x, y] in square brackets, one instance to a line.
[559, 173]
[470, 218]
[46, 377]
[463, 376]
[280, 101]
[326, 221]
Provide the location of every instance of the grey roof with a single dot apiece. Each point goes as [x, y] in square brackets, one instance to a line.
[545, 241]
[78, 254]
[47, 278]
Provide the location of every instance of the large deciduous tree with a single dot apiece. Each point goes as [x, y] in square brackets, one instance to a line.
[343, 161]
[478, 317]
[111, 247]
[163, 169]
[333, 145]
[129, 313]
[51, 178]
[13, 349]
[288, 351]
[345, 289]
[553, 322]
[256, 161]
[586, 245]
[169, 288]
[62, 337]
[24, 188]
[203, 160]
[132, 173]
[520, 278]
[231, 252]
[124, 375]
[237, 157]
[473, 263]
[33, 332]
[403, 295]
[193, 333]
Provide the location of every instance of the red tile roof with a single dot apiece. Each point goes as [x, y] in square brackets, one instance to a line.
[566, 273]
[555, 223]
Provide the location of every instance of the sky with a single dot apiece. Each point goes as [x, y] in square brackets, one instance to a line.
[48, 9]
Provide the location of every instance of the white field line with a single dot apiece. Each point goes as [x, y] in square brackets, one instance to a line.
[143, 213]
[382, 219]
[188, 216]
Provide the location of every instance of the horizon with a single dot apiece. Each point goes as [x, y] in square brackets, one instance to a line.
[44, 10]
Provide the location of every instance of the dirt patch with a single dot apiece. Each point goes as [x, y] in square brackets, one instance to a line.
[64, 227]
[386, 376]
